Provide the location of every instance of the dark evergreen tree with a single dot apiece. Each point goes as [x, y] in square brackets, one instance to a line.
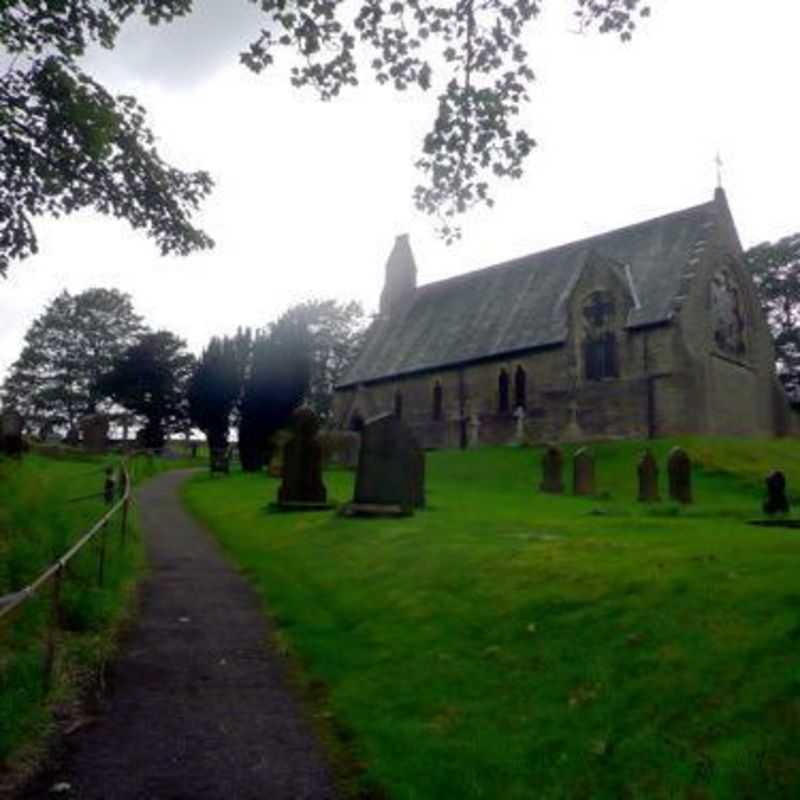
[214, 390]
[67, 350]
[776, 271]
[276, 385]
[335, 335]
[150, 379]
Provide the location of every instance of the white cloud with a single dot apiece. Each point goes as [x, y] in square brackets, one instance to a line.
[310, 196]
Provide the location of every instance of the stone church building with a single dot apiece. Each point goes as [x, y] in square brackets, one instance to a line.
[651, 330]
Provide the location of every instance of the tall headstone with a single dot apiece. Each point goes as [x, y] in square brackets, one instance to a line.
[552, 470]
[648, 478]
[679, 470]
[302, 485]
[777, 502]
[583, 473]
[94, 432]
[391, 469]
[11, 425]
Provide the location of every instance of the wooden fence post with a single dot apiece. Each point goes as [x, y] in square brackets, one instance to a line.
[53, 624]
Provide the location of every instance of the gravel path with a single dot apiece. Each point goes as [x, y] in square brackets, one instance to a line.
[198, 707]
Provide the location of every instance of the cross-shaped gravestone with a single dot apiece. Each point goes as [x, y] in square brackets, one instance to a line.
[474, 429]
[302, 486]
[519, 416]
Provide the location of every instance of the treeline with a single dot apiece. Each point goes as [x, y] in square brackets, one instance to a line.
[91, 353]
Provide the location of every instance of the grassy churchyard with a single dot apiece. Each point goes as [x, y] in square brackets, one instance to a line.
[45, 505]
[509, 644]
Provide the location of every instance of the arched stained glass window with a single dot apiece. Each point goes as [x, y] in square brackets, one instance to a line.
[520, 388]
[438, 401]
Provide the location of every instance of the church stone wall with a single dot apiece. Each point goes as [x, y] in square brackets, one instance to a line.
[559, 405]
[709, 370]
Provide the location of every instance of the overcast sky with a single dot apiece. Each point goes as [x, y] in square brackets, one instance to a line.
[310, 196]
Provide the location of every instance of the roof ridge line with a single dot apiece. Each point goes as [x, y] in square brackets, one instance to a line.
[512, 262]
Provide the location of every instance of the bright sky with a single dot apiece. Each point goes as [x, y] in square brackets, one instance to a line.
[310, 196]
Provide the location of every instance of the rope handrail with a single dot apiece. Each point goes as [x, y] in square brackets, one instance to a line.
[10, 602]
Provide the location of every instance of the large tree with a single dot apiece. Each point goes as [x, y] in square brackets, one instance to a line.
[66, 143]
[276, 384]
[776, 271]
[335, 335]
[67, 350]
[150, 379]
[214, 390]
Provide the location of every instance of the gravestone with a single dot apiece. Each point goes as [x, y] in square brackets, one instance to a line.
[519, 432]
[552, 470]
[583, 473]
[219, 460]
[302, 486]
[11, 425]
[679, 470]
[390, 480]
[777, 502]
[94, 432]
[648, 478]
[474, 431]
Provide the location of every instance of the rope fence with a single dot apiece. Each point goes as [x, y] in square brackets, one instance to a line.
[54, 575]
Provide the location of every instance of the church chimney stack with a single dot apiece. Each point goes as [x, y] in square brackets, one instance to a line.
[401, 276]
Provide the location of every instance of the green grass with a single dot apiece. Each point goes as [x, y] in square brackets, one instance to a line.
[40, 517]
[507, 644]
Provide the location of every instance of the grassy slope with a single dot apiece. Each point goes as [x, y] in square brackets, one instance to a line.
[37, 524]
[506, 644]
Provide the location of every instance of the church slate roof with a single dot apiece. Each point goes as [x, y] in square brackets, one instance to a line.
[522, 304]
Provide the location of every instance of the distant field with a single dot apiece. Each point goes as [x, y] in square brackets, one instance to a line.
[507, 644]
[40, 517]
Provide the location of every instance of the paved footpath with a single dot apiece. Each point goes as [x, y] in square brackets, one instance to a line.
[198, 707]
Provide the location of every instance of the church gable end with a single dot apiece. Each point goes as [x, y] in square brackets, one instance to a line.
[649, 330]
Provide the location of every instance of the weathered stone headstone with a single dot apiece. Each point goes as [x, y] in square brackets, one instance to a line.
[11, 425]
[302, 485]
[583, 473]
[552, 470]
[94, 432]
[391, 470]
[679, 470]
[777, 502]
[648, 478]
